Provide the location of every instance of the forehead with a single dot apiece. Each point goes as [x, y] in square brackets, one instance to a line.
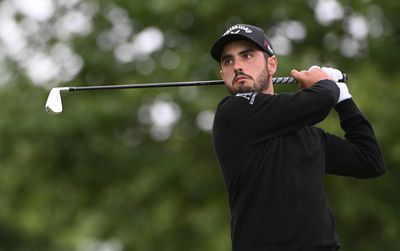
[238, 46]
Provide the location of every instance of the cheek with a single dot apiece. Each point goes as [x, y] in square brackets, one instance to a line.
[255, 66]
[262, 67]
[227, 73]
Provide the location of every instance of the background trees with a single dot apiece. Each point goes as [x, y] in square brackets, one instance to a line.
[135, 170]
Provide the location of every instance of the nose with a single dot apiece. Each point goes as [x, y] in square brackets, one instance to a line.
[237, 67]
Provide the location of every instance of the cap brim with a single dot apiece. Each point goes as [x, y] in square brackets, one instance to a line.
[219, 45]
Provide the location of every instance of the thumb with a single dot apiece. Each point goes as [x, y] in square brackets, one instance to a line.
[297, 75]
[294, 73]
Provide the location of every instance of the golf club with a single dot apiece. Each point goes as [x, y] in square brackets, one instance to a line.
[54, 102]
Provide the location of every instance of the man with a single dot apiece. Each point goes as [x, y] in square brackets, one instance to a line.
[272, 157]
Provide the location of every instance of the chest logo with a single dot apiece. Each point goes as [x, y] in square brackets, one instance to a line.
[250, 96]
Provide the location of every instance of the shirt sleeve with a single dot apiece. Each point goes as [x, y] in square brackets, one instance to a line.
[358, 154]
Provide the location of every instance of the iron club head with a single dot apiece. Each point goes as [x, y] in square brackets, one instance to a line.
[53, 103]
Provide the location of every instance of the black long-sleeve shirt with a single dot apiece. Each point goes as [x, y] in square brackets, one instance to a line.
[273, 160]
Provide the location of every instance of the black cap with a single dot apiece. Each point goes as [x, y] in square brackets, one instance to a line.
[240, 32]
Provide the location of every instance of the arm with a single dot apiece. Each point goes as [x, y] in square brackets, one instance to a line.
[357, 155]
[255, 117]
[287, 112]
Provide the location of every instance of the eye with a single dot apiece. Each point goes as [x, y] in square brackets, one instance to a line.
[227, 61]
[247, 55]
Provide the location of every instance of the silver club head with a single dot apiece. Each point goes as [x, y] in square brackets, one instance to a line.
[53, 103]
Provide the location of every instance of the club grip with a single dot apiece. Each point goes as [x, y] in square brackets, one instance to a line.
[344, 79]
[291, 80]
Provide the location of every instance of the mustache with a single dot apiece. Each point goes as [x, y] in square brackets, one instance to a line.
[240, 73]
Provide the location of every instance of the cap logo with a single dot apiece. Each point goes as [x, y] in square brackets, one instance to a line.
[268, 46]
[236, 29]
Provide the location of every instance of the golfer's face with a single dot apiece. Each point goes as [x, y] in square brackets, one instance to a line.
[242, 66]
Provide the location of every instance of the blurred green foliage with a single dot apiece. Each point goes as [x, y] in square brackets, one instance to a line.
[105, 176]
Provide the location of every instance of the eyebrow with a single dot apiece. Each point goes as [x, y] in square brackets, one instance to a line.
[240, 53]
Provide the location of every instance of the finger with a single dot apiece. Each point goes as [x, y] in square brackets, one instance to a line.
[338, 74]
[295, 73]
[329, 71]
[334, 73]
[314, 67]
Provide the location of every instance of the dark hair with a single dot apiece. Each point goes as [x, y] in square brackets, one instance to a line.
[266, 56]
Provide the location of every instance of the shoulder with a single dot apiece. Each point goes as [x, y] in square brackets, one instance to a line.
[236, 107]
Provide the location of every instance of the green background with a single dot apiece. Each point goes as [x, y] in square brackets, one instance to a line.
[135, 169]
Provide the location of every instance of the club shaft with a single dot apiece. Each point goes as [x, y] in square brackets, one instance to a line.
[277, 80]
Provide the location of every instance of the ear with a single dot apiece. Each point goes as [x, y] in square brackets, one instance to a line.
[272, 63]
[222, 74]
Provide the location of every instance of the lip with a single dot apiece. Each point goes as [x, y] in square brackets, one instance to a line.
[239, 78]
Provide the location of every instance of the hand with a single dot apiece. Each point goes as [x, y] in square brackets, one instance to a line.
[308, 78]
[337, 75]
[334, 73]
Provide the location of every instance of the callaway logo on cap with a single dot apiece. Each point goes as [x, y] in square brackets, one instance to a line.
[240, 32]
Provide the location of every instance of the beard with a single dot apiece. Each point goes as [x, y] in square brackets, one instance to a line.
[260, 83]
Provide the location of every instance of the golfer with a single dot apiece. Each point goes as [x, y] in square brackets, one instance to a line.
[273, 159]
